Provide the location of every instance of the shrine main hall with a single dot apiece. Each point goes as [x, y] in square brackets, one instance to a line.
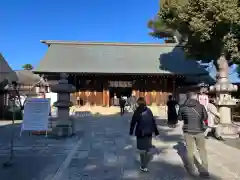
[101, 70]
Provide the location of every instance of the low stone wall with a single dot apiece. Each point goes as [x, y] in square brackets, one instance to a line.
[8, 122]
[157, 110]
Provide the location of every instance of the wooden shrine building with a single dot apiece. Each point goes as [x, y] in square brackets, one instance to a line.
[101, 70]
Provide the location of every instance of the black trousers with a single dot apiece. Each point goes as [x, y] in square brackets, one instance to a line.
[122, 110]
[144, 144]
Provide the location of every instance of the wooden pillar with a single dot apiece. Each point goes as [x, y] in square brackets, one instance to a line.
[87, 96]
[135, 87]
[153, 97]
[104, 97]
[174, 87]
[95, 97]
[98, 91]
[106, 94]
[108, 98]
[165, 91]
[159, 91]
[138, 86]
[141, 87]
[147, 93]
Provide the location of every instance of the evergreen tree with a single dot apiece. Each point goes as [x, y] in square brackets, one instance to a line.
[210, 29]
[27, 67]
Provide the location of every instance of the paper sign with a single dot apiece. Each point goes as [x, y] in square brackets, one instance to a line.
[36, 113]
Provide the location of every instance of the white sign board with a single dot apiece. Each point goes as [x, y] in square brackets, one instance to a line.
[36, 113]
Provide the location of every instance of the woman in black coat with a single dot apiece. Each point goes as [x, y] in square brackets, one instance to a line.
[172, 112]
[122, 103]
[144, 124]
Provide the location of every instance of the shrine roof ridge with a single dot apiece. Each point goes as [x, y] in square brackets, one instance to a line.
[116, 58]
[49, 42]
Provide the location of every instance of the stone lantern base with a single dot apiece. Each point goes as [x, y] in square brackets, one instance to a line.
[63, 127]
[229, 131]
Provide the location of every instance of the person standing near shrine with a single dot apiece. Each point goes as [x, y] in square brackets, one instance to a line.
[122, 103]
[172, 112]
[78, 101]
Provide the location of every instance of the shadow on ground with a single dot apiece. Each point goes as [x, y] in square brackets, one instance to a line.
[35, 157]
[108, 152]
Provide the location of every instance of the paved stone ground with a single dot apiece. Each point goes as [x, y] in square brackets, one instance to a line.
[35, 157]
[107, 152]
[223, 160]
[233, 143]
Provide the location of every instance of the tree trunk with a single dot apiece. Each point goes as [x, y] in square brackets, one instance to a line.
[222, 68]
[222, 80]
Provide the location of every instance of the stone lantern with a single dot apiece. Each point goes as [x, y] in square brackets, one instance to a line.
[223, 89]
[64, 122]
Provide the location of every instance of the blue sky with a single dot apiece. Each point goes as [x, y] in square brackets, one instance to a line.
[25, 22]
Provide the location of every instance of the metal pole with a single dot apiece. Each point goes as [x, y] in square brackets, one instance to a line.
[12, 135]
[10, 160]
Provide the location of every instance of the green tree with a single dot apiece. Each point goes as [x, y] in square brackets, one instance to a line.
[210, 29]
[27, 67]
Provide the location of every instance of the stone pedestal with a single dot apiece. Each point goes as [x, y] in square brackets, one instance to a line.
[64, 123]
[229, 131]
[223, 88]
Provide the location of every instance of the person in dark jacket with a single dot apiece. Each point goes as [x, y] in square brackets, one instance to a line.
[143, 122]
[193, 115]
[122, 103]
[172, 113]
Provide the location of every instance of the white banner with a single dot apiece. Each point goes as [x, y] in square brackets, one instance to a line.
[36, 113]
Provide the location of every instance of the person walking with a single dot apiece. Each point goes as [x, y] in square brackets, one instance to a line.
[78, 101]
[144, 124]
[133, 102]
[193, 114]
[115, 100]
[122, 103]
[213, 121]
[172, 112]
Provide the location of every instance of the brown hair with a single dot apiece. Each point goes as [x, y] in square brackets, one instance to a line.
[141, 101]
